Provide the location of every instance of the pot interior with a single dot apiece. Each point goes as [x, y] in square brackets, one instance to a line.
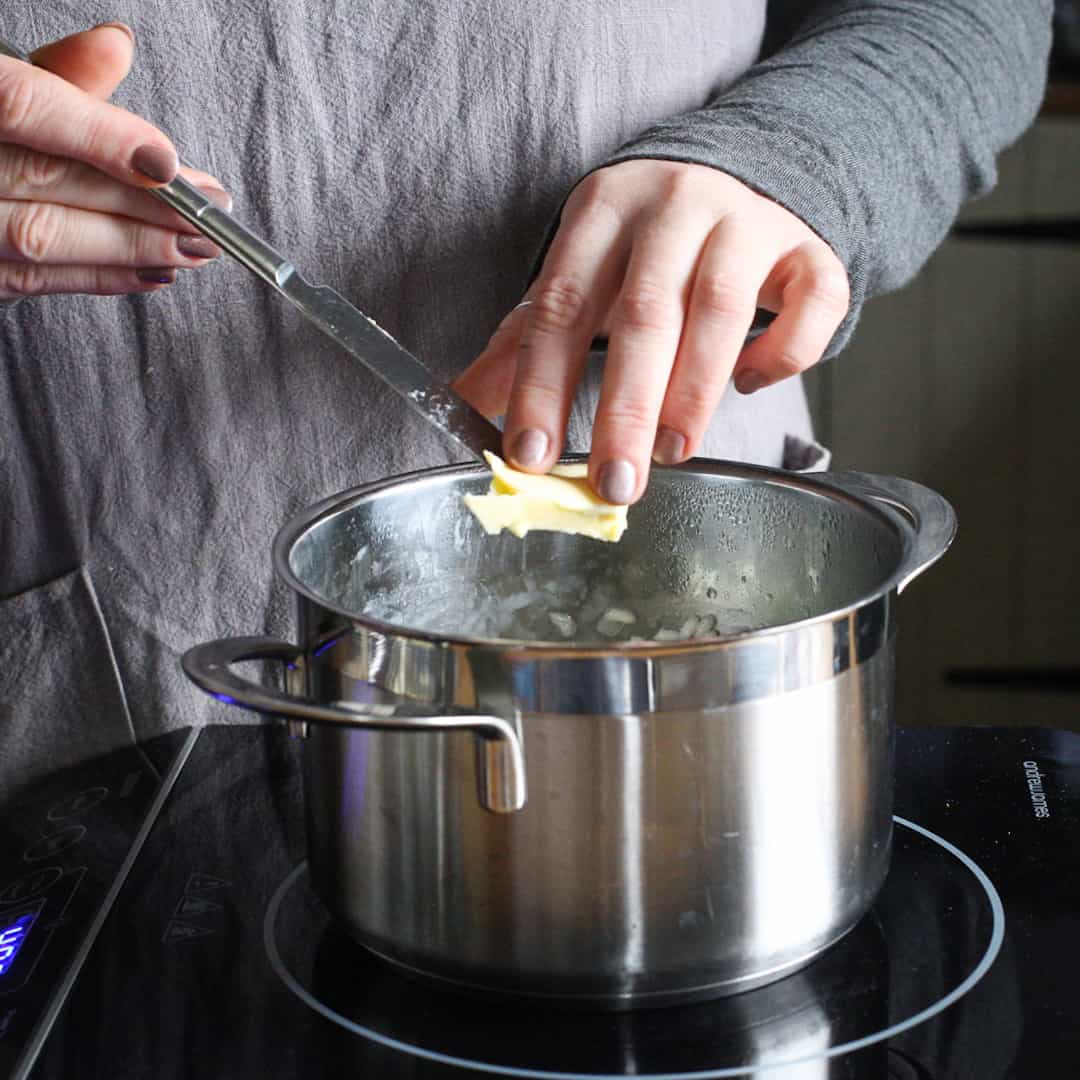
[713, 552]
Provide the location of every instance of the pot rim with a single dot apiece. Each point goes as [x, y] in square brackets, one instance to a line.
[822, 484]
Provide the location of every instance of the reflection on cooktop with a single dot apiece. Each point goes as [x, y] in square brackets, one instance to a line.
[933, 933]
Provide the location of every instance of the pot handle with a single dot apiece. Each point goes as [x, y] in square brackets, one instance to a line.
[500, 760]
[931, 515]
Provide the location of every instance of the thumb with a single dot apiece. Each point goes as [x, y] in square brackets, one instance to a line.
[96, 61]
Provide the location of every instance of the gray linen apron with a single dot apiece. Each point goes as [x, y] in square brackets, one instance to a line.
[410, 154]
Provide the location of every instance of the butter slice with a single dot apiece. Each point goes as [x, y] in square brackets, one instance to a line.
[560, 501]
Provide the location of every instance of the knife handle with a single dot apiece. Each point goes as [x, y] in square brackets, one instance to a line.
[193, 206]
[221, 227]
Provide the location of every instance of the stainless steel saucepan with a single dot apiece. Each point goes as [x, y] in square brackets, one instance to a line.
[605, 774]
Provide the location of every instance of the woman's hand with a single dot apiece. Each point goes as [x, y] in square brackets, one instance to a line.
[74, 213]
[671, 261]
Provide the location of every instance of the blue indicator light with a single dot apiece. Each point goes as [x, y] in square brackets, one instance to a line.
[12, 936]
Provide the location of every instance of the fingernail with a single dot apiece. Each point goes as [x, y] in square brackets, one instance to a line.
[155, 163]
[156, 275]
[747, 382]
[669, 447]
[197, 247]
[221, 199]
[118, 26]
[530, 448]
[616, 482]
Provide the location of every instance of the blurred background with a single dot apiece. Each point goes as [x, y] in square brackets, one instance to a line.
[969, 381]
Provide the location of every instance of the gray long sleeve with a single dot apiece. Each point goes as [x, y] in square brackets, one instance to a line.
[873, 123]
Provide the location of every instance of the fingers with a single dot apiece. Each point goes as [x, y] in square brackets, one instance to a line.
[723, 300]
[66, 226]
[579, 276]
[96, 61]
[814, 298]
[647, 324]
[29, 176]
[25, 279]
[673, 260]
[49, 234]
[487, 381]
[43, 112]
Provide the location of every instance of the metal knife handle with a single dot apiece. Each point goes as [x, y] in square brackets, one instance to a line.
[193, 206]
[221, 227]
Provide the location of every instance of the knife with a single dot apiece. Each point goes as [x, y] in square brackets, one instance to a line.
[327, 309]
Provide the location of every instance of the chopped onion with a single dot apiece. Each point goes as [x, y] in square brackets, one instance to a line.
[614, 621]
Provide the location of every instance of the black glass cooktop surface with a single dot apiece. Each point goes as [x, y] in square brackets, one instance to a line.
[156, 920]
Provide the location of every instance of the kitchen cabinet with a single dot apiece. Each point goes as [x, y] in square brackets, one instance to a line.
[968, 380]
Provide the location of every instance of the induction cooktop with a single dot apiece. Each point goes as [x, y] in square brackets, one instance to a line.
[157, 920]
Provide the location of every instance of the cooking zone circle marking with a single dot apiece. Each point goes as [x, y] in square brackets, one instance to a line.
[985, 962]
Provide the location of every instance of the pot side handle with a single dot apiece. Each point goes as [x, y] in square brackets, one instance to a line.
[931, 515]
[500, 760]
